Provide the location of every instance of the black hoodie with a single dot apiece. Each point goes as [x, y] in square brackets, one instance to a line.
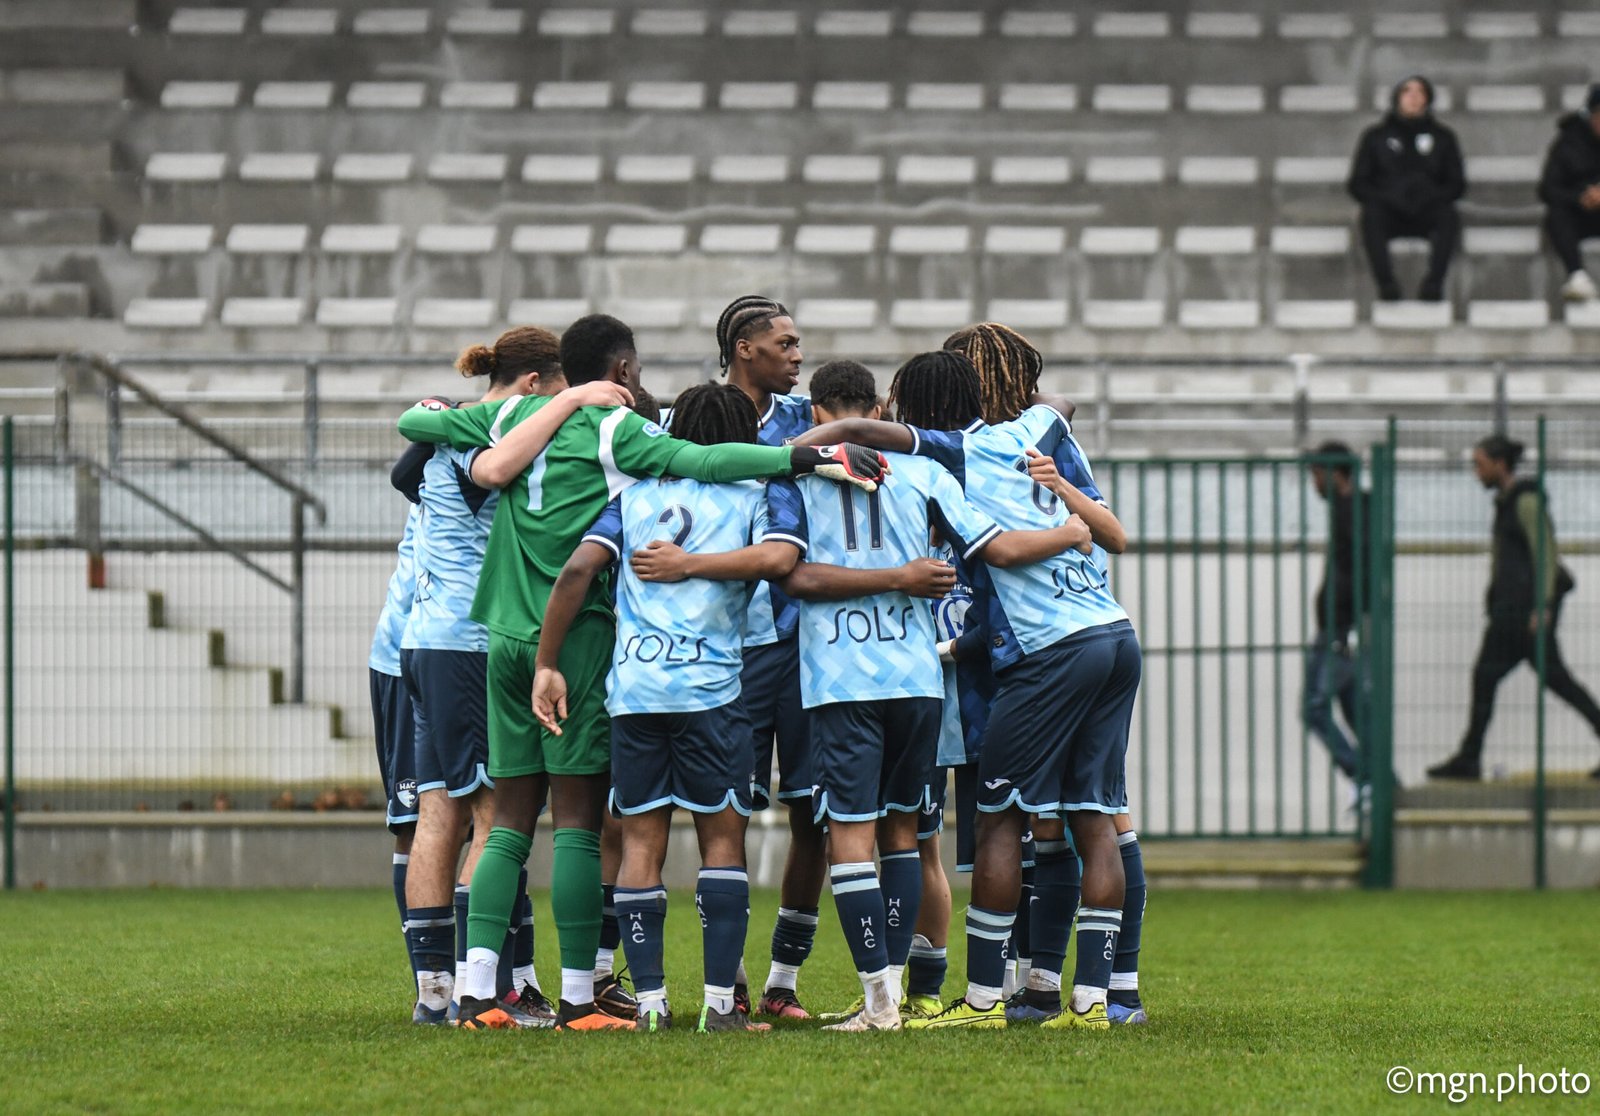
[1573, 164]
[1412, 167]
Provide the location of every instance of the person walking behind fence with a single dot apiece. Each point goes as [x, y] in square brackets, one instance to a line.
[1524, 571]
[1332, 671]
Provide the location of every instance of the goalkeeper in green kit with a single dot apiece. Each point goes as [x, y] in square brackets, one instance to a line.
[553, 493]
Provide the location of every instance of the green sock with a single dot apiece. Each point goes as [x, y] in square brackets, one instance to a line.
[494, 887]
[575, 896]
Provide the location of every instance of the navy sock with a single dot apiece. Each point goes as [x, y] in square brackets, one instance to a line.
[900, 879]
[793, 934]
[1056, 887]
[860, 902]
[644, 909]
[431, 939]
[1125, 966]
[1097, 946]
[461, 923]
[610, 930]
[722, 896]
[987, 935]
[401, 860]
[1022, 929]
[925, 968]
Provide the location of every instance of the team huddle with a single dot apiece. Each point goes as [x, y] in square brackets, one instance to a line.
[615, 614]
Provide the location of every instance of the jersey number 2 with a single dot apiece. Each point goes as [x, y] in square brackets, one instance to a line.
[685, 520]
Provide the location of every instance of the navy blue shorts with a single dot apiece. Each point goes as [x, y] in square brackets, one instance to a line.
[393, 728]
[874, 756]
[699, 760]
[770, 689]
[1057, 738]
[449, 692]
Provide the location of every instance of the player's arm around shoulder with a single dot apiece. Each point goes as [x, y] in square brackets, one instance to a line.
[873, 433]
[764, 559]
[438, 420]
[512, 453]
[1105, 528]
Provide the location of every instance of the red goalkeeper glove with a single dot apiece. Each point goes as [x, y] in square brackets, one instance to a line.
[845, 462]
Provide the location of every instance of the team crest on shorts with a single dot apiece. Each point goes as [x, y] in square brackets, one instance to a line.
[405, 793]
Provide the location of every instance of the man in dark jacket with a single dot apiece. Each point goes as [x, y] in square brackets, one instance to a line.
[1407, 176]
[1331, 666]
[1525, 570]
[1570, 189]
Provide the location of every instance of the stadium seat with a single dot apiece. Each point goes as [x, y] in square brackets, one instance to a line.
[1573, 96]
[279, 167]
[1583, 315]
[853, 96]
[452, 313]
[936, 170]
[478, 95]
[1411, 315]
[651, 313]
[835, 240]
[1310, 241]
[837, 313]
[207, 21]
[467, 168]
[1502, 25]
[1132, 25]
[165, 313]
[1225, 98]
[1028, 313]
[1578, 25]
[561, 168]
[1125, 169]
[1311, 170]
[267, 240]
[294, 94]
[668, 22]
[350, 240]
[852, 169]
[749, 168]
[646, 239]
[391, 21]
[1505, 98]
[171, 240]
[929, 240]
[1123, 313]
[57, 86]
[1038, 97]
[487, 22]
[1315, 25]
[572, 95]
[1029, 170]
[936, 96]
[1205, 170]
[358, 313]
[930, 313]
[1219, 313]
[758, 95]
[1326, 314]
[669, 96]
[1317, 98]
[1120, 241]
[1038, 25]
[1409, 25]
[741, 240]
[459, 240]
[576, 23]
[304, 22]
[854, 25]
[260, 313]
[1025, 240]
[1511, 169]
[386, 94]
[200, 95]
[1215, 241]
[1132, 98]
[553, 313]
[1223, 25]
[1514, 241]
[945, 25]
[654, 168]
[761, 25]
[1508, 314]
[552, 240]
[372, 168]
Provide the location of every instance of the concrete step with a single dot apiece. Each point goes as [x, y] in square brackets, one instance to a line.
[1255, 862]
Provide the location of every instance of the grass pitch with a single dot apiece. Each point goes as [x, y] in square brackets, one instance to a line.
[1261, 1002]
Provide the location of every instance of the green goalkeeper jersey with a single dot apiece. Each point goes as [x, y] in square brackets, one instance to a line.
[542, 515]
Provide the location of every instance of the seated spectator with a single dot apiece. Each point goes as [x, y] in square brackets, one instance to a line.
[1407, 176]
[1570, 190]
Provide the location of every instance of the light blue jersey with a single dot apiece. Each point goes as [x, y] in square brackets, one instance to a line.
[452, 533]
[679, 644]
[880, 647]
[1036, 606]
[774, 616]
[385, 655]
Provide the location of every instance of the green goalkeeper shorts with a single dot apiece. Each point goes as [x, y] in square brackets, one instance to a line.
[518, 743]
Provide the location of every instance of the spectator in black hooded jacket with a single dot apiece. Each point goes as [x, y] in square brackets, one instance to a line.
[1570, 189]
[1407, 176]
